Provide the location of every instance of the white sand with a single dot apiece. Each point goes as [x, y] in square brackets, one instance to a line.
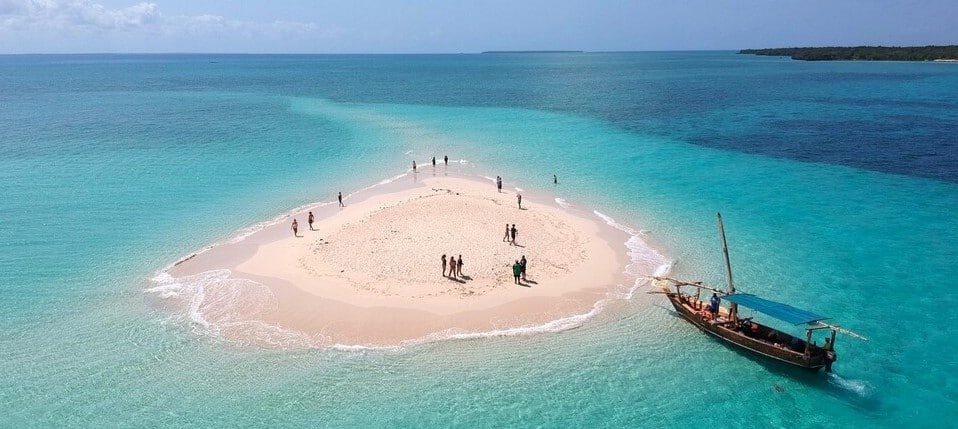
[371, 273]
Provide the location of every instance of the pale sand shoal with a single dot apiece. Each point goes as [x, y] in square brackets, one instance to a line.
[370, 274]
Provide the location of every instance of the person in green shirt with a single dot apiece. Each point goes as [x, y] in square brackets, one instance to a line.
[516, 271]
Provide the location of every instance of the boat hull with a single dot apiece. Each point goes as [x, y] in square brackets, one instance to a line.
[724, 331]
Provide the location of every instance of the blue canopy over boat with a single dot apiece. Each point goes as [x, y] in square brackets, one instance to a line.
[783, 312]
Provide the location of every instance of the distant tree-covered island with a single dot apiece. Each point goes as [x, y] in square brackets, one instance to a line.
[863, 53]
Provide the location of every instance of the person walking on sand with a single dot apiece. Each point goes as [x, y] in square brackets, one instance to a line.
[459, 267]
[445, 159]
[452, 266]
[519, 199]
[506, 237]
[341, 199]
[295, 228]
[498, 184]
[516, 272]
[513, 231]
[444, 265]
[522, 262]
[310, 220]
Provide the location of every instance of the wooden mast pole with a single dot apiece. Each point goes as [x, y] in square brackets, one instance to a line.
[733, 309]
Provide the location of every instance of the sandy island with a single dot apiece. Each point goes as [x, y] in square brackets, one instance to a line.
[370, 272]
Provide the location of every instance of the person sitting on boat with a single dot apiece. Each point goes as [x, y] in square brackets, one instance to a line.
[830, 356]
[772, 337]
[714, 304]
[705, 313]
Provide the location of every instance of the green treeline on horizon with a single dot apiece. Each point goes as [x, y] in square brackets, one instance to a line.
[864, 53]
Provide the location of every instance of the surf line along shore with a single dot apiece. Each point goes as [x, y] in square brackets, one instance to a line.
[370, 273]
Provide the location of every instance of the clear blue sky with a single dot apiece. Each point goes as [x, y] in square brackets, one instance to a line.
[417, 26]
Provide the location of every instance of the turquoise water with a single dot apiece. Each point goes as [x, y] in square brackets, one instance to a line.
[838, 183]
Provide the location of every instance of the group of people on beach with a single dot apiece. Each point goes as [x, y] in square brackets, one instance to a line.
[445, 159]
[452, 265]
[311, 219]
[555, 180]
[455, 266]
[510, 234]
[519, 270]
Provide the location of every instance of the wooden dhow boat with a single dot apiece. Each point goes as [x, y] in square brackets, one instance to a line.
[727, 324]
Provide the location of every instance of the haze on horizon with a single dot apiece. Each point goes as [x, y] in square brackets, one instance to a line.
[436, 26]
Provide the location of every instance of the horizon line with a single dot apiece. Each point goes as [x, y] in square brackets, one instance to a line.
[530, 52]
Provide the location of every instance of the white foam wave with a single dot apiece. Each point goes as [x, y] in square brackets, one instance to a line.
[386, 181]
[518, 189]
[611, 222]
[214, 304]
[563, 203]
[557, 325]
[645, 260]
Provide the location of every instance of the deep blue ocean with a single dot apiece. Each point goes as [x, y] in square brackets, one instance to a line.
[838, 182]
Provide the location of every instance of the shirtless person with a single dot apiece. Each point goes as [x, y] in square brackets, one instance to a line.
[295, 228]
[443, 264]
[310, 220]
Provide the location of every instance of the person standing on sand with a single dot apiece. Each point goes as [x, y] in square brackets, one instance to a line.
[310, 220]
[498, 184]
[444, 265]
[414, 166]
[522, 262]
[519, 199]
[516, 272]
[445, 159]
[295, 228]
[513, 231]
[452, 265]
[506, 237]
[459, 267]
[433, 161]
[555, 180]
[341, 199]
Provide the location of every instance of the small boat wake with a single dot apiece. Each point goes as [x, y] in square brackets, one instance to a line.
[860, 388]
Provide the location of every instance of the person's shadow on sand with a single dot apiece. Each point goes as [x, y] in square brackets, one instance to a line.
[456, 280]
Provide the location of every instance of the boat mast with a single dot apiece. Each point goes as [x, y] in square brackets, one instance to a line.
[733, 309]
